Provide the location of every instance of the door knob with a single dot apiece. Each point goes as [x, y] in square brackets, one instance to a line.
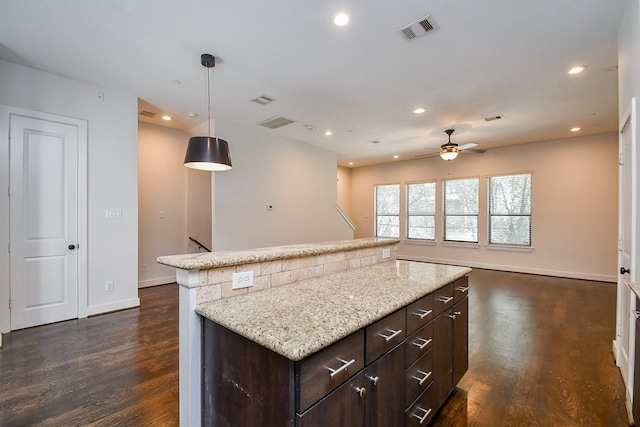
[624, 270]
[72, 247]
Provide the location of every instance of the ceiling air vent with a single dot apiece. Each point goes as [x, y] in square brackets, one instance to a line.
[492, 118]
[276, 122]
[147, 113]
[418, 28]
[263, 100]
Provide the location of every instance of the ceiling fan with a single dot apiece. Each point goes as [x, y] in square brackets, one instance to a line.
[450, 150]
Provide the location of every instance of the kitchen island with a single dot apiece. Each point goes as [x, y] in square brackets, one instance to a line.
[315, 299]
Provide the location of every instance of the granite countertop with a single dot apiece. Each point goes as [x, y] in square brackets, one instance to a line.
[299, 319]
[203, 261]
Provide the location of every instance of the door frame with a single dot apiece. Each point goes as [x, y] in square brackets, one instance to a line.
[6, 112]
[628, 119]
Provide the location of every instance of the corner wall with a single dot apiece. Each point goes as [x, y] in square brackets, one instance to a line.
[574, 220]
[162, 201]
[297, 179]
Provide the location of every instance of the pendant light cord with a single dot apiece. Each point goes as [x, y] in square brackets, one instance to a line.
[209, 98]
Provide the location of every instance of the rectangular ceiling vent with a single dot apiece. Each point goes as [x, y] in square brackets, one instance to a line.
[147, 113]
[263, 100]
[276, 122]
[418, 28]
[492, 118]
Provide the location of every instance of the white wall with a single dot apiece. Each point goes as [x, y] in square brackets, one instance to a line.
[112, 170]
[299, 180]
[574, 219]
[162, 201]
[629, 56]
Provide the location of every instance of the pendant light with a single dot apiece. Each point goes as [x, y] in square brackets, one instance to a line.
[206, 152]
[449, 151]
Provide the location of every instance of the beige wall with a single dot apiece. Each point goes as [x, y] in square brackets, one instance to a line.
[574, 219]
[162, 201]
[298, 180]
[344, 189]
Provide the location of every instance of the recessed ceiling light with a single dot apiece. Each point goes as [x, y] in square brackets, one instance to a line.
[578, 69]
[576, 129]
[350, 163]
[167, 118]
[396, 156]
[328, 133]
[419, 110]
[341, 19]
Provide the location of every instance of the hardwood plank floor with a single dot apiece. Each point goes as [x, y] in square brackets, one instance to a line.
[118, 369]
[539, 355]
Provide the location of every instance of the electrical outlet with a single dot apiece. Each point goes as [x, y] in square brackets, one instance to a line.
[475, 254]
[242, 280]
[109, 286]
[144, 267]
[386, 253]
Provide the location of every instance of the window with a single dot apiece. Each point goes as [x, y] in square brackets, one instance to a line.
[421, 211]
[461, 210]
[510, 209]
[387, 210]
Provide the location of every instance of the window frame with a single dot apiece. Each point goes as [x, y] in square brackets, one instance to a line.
[390, 215]
[490, 215]
[476, 215]
[408, 214]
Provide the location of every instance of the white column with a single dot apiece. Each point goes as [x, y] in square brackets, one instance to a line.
[190, 349]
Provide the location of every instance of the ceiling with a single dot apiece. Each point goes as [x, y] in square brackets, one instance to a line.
[361, 81]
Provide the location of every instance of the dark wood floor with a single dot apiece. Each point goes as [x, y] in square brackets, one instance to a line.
[539, 355]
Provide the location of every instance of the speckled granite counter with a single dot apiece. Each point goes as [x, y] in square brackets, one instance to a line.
[299, 319]
[204, 261]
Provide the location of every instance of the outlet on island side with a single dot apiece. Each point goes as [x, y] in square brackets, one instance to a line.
[109, 286]
[243, 279]
[386, 253]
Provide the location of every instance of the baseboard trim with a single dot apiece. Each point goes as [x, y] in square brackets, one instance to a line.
[515, 269]
[113, 306]
[157, 281]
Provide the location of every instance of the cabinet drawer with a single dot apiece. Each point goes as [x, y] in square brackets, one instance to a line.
[419, 343]
[442, 299]
[385, 334]
[422, 411]
[460, 289]
[322, 372]
[419, 313]
[418, 377]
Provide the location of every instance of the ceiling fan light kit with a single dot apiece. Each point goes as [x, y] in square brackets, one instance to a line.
[206, 152]
[450, 150]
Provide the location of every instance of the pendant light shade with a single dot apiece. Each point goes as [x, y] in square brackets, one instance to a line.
[208, 153]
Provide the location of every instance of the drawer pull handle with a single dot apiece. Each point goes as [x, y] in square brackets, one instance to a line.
[453, 316]
[424, 417]
[462, 289]
[345, 365]
[425, 342]
[422, 313]
[636, 314]
[393, 334]
[374, 380]
[457, 313]
[361, 391]
[445, 300]
[424, 378]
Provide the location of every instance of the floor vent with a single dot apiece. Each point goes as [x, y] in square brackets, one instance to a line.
[418, 28]
[276, 122]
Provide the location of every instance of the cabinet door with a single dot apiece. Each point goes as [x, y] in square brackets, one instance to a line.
[345, 406]
[442, 357]
[384, 379]
[460, 340]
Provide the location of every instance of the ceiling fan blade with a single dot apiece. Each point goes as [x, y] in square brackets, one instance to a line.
[468, 145]
[473, 151]
[421, 156]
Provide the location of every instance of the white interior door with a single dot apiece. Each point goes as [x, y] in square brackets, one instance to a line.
[628, 218]
[43, 216]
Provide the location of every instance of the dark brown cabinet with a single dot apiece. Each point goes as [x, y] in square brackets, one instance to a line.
[396, 371]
